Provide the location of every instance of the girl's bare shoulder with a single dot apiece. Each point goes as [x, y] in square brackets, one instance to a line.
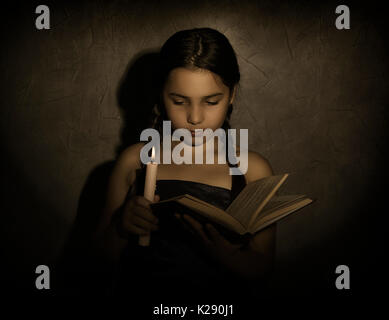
[258, 167]
[129, 161]
[130, 155]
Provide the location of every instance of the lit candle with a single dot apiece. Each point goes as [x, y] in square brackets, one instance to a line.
[149, 191]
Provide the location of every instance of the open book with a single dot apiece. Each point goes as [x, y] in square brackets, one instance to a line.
[255, 207]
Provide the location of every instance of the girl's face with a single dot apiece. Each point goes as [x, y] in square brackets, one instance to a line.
[196, 99]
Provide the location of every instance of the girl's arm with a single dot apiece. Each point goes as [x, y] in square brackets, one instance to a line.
[107, 241]
[261, 245]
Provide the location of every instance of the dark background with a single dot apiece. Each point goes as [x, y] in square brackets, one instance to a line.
[314, 99]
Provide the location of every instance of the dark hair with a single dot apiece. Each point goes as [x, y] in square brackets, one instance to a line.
[202, 48]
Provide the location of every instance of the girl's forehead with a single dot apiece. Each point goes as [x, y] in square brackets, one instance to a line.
[194, 82]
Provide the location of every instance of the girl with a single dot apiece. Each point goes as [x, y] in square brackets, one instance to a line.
[198, 77]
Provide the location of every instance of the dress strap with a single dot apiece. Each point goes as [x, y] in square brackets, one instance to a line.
[238, 183]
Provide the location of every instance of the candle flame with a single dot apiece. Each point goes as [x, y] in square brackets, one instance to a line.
[153, 154]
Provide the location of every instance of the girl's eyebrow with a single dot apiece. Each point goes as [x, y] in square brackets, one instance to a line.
[185, 97]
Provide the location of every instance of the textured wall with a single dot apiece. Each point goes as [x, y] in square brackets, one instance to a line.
[313, 98]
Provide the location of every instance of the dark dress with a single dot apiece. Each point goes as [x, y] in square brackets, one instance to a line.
[174, 268]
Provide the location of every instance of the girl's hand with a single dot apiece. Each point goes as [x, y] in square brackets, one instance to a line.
[137, 217]
[215, 244]
[246, 263]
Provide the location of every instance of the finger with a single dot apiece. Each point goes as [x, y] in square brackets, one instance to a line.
[216, 236]
[135, 229]
[138, 221]
[219, 240]
[142, 202]
[198, 227]
[184, 224]
[145, 214]
[156, 198]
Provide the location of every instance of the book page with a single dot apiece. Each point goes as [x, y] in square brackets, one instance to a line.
[277, 202]
[281, 210]
[213, 213]
[207, 210]
[253, 198]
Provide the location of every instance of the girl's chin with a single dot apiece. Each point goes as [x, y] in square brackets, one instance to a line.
[196, 141]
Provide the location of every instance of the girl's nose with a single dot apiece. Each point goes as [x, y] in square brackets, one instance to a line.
[195, 115]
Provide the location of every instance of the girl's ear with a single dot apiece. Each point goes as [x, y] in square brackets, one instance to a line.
[232, 97]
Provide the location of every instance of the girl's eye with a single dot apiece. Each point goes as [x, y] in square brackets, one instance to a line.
[178, 103]
[212, 103]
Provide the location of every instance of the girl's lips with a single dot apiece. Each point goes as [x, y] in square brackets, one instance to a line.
[196, 134]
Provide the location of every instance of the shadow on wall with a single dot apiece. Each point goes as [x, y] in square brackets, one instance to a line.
[136, 96]
[78, 271]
